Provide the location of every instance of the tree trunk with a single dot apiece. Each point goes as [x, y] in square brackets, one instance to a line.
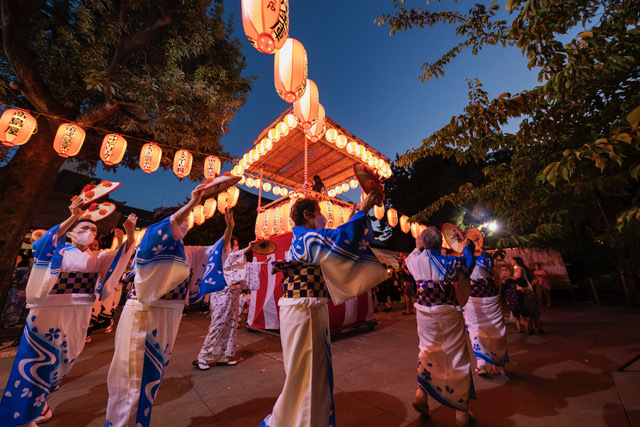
[24, 183]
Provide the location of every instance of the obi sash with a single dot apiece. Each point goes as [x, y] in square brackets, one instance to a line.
[301, 280]
[75, 283]
[180, 292]
[483, 288]
[432, 293]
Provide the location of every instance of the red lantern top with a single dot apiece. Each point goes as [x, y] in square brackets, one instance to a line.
[266, 23]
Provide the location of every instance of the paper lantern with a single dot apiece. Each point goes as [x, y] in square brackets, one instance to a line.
[276, 190]
[290, 70]
[112, 149]
[331, 135]
[306, 108]
[257, 182]
[267, 222]
[415, 229]
[258, 229]
[345, 187]
[16, 127]
[338, 189]
[210, 207]
[211, 167]
[285, 225]
[392, 217]
[284, 192]
[326, 208]
[315, 132]
[291, 121]
[190, 220]
[341, 141]
[378, 212]
[250, 182]
[353, 183]
[338, 215]
[150, 156]
[366, 156]
[404, 224]
[361, 150]
[283, 129]
[273, 134]
[182, 162]
[268, 144]
[266, 23]
[222, 202]
[332, 192]
[198, 214]
[242, 180]
[352, 147]
[255, 155]
[233, 193]
[422, 228]
[68, 140]
[261, 149]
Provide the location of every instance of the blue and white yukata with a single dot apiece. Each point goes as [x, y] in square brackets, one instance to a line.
[62, 288]
[320, 262]
[484, 316]
[167, 274]
[444, 362]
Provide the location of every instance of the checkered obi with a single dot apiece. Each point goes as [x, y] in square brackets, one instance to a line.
[301, 280]
[483, 288]
[180, 292]
[433, 294]
[75, 283]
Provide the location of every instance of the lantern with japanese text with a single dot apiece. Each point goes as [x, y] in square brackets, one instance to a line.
[316, 131]
[404, 224]
[198, 214]
[306, 108]
[112, 149]
[266, 23]
[290, 70]
[68, 140]
[326, 208]
[378, 212]
[211, 167]
[392, 217]
[210, 207]
[16, 127]
[422, 228]
[338, 215]
[150, 156]
[182, 162]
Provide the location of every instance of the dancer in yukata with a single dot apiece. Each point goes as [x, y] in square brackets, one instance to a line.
[321, 262]
[444, 362]
[219, 344]
[63, 285]
[167, 274]
[485, 319]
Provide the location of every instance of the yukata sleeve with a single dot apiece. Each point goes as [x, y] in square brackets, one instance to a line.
[47, 254]
[197, 257]
[160, 263]
[414, 261]
[112, 265]
[348, 264]
[213, 277]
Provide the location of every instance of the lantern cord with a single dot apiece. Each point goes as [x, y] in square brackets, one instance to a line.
[306, 165]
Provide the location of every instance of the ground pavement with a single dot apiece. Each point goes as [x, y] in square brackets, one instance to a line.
[566, 377]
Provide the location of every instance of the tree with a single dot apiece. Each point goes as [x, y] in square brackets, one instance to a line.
[168, 71]
[575, 158]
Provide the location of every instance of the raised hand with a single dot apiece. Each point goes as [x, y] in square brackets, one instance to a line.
[74, 207]
[130, 223]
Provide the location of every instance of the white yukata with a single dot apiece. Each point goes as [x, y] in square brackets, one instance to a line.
[484, 317]
[321, 261]
[444, 362]
[62, 288]
[220, 341]
[167, 274]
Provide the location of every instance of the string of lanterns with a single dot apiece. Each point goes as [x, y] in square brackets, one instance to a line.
[18, 125]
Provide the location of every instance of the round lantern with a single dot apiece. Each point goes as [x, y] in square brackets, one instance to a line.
[273, 134]
[250, 182]
[242, 180]
[182, 162]
[352, 147]
[16, 127]
[341, 141]
[68, 140]
[378, 212]
[415, 229]
[150, 156]
[198, 214]
[291, 121]
[338, 189]
[345, 187]
[331, 135]
[112, 149]
[290, 70]
[306, 108]
[268, 144]
[261, 149]
[210, 207]
[276, 190]
[315, 132]
[266, 23]
[232, 196]
[332, 192]
[422, 228]
[353, 183]
[211, 167]
[255, 155]
[257, 183]
[392, 217]
[284, 192]
[190, 220]
[404, 224]
[366, 156]
[283, 129]
[222, 202]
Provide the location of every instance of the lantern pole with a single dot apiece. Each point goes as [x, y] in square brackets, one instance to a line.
[260, 191]
[306, 164]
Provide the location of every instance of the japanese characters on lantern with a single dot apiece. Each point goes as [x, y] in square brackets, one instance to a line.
[16, 127]
[112, 149]
[68, 140]
[266, 23]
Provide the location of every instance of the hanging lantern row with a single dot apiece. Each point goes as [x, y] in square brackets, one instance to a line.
[266, 186]
[343, 188]
[202, 212]
[358, 150]
[393, 220]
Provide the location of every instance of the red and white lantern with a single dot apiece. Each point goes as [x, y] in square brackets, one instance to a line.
[112, 149]
[306, 108]
[266, 23]
[150, 156]
[316, 131]
[68, 140]
[290, 70]
[182, 162]
[211, 167]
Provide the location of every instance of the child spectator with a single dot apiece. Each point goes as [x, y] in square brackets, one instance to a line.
[515, 300]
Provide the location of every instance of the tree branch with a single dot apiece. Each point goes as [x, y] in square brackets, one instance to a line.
[95, 115]
[140, 40]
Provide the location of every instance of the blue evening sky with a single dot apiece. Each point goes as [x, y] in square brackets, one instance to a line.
[367, 80]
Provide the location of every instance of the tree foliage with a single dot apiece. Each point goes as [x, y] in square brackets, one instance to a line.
[575, 157]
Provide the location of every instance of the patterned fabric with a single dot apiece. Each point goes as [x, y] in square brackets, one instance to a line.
[221, 338]
[180, 292]
[75, 283]
[301, 280]
[483, 288]
[14, 307]
[432, 293]
[213, 279]
[515, 299]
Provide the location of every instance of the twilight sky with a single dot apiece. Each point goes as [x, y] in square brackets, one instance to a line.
[367, 80]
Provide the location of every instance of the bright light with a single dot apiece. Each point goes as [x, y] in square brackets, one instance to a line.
[492, 226]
